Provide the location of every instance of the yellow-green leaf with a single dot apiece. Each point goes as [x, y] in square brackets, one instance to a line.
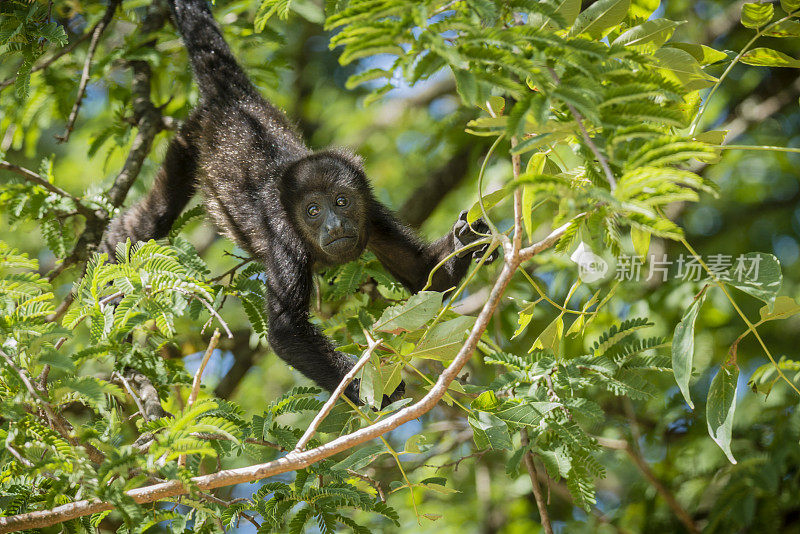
[756, 15]
[641, 241]
[599, 18]
[720, 407]
[767, 57]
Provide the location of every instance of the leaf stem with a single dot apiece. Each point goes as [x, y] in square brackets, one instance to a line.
[696, 122]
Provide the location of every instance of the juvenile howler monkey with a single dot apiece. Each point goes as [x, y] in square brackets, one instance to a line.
[291, 208]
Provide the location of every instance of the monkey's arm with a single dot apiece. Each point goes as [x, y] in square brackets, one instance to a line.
[410, 259]
[152, 217]
[292, 337]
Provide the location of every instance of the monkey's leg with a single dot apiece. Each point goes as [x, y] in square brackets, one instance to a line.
[152, 217]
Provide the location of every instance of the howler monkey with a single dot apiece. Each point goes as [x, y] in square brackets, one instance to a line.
[291, 208]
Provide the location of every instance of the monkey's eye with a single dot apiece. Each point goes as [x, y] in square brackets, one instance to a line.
[341, 201]
[312, 210]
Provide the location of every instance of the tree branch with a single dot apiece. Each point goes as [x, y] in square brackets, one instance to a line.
[61, 53]
[682, 515]
[586, 137]
[96, 33]
[56, 421]
[198, 376]
[328, 406]
[35, 178]
[537, 491]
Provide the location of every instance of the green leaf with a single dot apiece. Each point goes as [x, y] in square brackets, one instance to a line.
[568, 10]
[641, 241]
[550, 338]
[756, 273]
[642, 9]
[755, 15]
[535, 166]
[361, 458]
[705, 55]
[489, 201]
[787, 28]
[790, 6]
[767, 57]
[683, 348]
[684, 67]
[766, 376]
[720, 407]
[600, 17]
[783, 308]
[712, 137]
[489, 431]
[527, 414]
[524, 319]
[415, 444]
[655, 32]
[486, 401]
[444, 340]
[411, 315]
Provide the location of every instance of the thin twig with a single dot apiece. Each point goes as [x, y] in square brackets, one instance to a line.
[586, 138]
[254, 441]
[537, 491]
[217, 500]
[529, 252]
[455, 464]
[24, 461]
[682, 515]
[35, 178]
[133, 394]
[516, 166]
[328, 406]
[232, 270]
[61, 53]
[212, 345]
[96, 33]
[211, 310]
[371, 481]
[56, 422]
[198, 376]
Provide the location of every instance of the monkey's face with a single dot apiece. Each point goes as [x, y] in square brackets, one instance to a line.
[333, 220]
[326, 196]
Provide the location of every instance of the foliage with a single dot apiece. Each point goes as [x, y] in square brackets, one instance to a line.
[594, 123]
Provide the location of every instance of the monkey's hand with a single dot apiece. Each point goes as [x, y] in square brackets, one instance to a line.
[465, 233]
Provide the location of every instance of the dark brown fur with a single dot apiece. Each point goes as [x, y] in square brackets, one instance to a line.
[253, 169]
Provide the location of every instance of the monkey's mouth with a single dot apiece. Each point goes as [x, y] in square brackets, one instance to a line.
[340, 242]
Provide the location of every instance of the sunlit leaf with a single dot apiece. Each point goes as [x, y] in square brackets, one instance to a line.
[720, 407]
[683, 348]
[755, 15]
[767, 57]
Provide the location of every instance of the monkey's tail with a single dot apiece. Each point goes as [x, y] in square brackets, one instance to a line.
[215, 69]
